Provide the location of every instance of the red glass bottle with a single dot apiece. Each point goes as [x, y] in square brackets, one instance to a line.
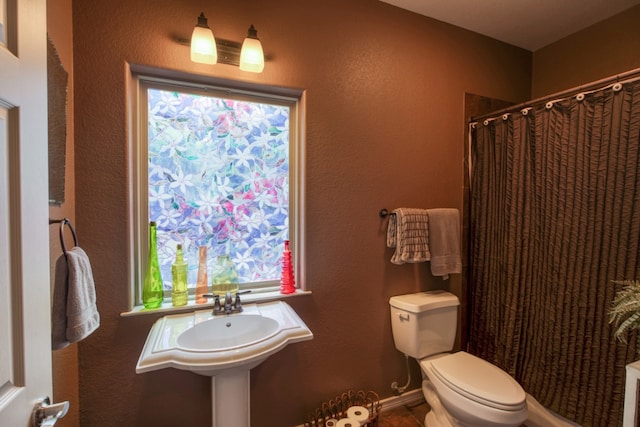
[287, 282]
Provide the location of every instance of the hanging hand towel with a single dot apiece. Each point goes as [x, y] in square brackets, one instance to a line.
[74, 314]
[444, 242]
[408, 232]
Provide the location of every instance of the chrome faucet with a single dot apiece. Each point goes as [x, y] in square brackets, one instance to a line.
[229, 305]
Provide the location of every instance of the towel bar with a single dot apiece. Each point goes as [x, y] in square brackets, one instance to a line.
[385, 213]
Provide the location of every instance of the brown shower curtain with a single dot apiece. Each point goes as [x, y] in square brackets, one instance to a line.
[555, 217]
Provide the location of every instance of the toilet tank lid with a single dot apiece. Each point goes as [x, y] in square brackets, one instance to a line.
[421, 301]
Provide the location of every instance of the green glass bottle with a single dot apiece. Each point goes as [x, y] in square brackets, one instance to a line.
[152, 292]
[224, 276]
[179, 293]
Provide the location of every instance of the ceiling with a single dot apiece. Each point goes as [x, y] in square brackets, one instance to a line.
[529, 24]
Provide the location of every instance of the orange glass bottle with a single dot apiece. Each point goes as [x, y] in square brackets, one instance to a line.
[202, 284]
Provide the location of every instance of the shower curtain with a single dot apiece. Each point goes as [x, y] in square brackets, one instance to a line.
[555, 218]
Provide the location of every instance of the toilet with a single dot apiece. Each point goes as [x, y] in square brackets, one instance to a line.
[461, 389]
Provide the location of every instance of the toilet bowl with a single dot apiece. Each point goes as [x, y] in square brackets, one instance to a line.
[472, 392]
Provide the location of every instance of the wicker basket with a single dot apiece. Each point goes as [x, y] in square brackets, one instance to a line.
[337, 408]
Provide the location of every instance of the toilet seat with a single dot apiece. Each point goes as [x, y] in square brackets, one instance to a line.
[477, 380]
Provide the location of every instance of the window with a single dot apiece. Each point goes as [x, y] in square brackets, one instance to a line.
[217, 168]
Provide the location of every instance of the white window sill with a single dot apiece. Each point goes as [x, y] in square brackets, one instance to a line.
[256, 296]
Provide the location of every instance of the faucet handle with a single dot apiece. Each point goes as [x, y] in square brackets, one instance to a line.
[216, 301]
[210, 296]
[238, 304]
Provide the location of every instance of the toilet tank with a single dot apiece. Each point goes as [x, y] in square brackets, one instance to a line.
[425, 323]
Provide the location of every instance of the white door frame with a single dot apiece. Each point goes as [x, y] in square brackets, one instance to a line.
[25, 328]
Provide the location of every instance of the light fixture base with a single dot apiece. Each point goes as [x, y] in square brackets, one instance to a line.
[228, 50]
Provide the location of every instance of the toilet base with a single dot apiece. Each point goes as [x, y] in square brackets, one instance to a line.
[430, 420]
[437, 416]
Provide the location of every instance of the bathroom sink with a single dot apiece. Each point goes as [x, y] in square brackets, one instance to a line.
[225, 348]
[226, 333]
[214, 345]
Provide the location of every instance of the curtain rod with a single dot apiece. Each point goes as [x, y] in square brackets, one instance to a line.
[562, 94]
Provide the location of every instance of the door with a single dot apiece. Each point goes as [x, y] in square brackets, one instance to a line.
[25, 330]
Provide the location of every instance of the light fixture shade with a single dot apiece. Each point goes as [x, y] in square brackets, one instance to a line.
[251, 55]
[203, 44]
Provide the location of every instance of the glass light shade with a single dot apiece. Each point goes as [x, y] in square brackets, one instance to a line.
[203, 44]
[251, 55]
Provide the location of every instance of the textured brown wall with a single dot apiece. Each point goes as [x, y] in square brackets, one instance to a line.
[384, 128]
[602, 50]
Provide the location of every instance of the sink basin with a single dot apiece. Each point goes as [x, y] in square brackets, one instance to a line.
[226, 333]
[212, 345]
[224, 348]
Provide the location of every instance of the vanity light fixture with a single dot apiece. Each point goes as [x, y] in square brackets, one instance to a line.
[203, 44]
[251, 56]
[205, 49]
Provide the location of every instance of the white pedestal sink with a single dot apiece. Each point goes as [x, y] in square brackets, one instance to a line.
[225, 348]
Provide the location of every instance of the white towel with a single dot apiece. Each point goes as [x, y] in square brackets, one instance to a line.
[74, 314]
[444, 242]
[408, 232]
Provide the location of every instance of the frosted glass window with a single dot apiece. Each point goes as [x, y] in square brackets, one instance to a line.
[3, 19]
[217, 173]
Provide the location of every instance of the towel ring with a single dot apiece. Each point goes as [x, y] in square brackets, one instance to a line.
[67, 221]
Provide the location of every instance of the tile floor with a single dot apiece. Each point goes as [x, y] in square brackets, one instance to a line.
[404, 416]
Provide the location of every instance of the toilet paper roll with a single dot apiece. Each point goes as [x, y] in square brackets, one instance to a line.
[358, 413]
[331, 423]
[348, 422]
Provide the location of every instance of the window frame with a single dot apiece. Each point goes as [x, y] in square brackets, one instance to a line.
[138, 154]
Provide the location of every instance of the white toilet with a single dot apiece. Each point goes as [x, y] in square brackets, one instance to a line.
[461, 389]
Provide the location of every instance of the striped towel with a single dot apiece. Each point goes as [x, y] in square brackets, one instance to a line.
[408, 232]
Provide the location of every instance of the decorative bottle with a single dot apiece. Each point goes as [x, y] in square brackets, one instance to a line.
[224, 276]
[179, 292]
[287, 282]
[152, 290]
[202, 284]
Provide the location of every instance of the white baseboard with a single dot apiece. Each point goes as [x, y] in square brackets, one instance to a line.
[409, 398]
